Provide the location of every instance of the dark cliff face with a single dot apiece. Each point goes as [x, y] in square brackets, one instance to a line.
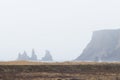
[105, 46]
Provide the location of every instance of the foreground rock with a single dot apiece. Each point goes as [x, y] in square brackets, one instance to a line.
[104, 46]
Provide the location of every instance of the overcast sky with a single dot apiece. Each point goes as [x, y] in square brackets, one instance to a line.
[62, 26]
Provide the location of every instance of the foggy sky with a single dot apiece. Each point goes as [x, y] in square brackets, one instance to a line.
[62, 26]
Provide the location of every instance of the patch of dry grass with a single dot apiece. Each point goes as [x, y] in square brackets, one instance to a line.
[53, 63]
[24, 70]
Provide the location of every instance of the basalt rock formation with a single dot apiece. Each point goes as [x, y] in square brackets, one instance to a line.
[34, 56]
[25, 57]
[47, 57]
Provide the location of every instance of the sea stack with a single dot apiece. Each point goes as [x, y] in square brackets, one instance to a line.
[47, 57]
[34, 56]
[23, 57]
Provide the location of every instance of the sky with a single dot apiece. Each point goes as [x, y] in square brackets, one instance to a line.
[64, 27]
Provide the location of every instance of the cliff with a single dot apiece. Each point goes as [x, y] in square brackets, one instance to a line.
[104, 46]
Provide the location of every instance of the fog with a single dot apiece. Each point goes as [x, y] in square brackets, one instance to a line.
[64, 27]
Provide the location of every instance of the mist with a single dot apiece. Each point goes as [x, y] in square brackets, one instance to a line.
[64, 27]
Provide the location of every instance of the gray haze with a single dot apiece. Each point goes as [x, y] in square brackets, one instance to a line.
[64, 27]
